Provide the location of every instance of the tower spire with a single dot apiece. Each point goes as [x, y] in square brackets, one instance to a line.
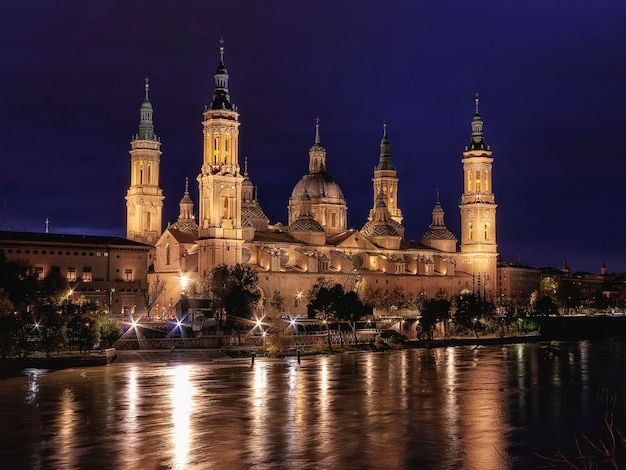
[384, 162]
[221, 96]
[146, 125]
[317, 153]
[478, 140]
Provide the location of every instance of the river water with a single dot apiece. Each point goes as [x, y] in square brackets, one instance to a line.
[484, 407]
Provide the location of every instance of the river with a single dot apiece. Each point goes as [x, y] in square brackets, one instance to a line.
[469, 407]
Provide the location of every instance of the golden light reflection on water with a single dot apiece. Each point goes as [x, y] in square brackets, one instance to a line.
[182, 401]
[256, 444]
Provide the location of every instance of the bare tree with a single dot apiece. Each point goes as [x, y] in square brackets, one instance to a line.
[153, 293]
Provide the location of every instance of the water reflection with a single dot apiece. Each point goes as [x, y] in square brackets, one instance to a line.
[182, 402]
[463, 407]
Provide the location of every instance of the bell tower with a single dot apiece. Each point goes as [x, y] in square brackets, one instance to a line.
[220, 235]
[144, 198]
[479, 250]
[386, 184]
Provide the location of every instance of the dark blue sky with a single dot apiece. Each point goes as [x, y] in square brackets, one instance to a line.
[551, 77]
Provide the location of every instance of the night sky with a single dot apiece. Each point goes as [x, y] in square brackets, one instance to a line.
[551, 77]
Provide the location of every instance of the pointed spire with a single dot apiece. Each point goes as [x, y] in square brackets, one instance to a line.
[317, 131]
[384, 162]
[221, 97]
[146, 126]
[245, 166]
[187, 186]
[478, 140]
[317, 153]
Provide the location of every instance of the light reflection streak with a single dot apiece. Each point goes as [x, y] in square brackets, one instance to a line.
[451, 404]
[182, 396]
[291, 400]
[67, 425]
[257, 441]
[33, 384]
[130, 422]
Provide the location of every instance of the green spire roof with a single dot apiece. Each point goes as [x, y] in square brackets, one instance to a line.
[384, 163]
[221, 97]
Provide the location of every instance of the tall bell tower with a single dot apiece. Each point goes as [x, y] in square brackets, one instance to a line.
[220, 236]
[479, 251]
[144, 198]
[386, 183]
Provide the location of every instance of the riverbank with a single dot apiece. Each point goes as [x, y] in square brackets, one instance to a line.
[11, 367]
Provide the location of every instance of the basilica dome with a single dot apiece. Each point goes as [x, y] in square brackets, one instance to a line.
[318, 185]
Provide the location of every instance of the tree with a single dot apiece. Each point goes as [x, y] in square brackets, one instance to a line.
[325, 305]
[351, 309]
[156, 287]
[568, 294]
[434, 311]
[546, 306]
[473, 312]
[278, 301]
[234, 289]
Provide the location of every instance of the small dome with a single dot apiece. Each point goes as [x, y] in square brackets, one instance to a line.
[438, 234]
[317, 185]
[373, 229]
[306, 224]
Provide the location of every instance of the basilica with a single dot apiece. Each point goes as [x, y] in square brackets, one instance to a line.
[230, 226]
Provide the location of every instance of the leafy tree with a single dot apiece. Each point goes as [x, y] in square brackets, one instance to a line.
[110, 332]
[280, 339]
[473, 312]
[434, 311]
[234, 289]
[546, 306]
[568, 295]
[325, 305]
[351, 309]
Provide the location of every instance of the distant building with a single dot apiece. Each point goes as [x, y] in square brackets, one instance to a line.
[517, 282]
[107, 271]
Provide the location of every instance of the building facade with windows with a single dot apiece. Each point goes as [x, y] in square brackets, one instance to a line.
[107, 271]
[231, 226]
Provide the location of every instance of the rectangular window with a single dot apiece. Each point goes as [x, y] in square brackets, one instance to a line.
[35, 252]
[83, 254]
[43, 252]
[38, 270]
[71, 274]
[18, 251]
[27, 252]
[87, 274]
[129, 274]
[76, 253]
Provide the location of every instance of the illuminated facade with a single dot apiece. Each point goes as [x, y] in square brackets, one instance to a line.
[232, 227]
[144, 199]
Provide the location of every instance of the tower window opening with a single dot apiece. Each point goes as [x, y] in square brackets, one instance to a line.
[168, 254]
[149, 179]
[141, 175]
[148, 222]
[486, 232]
[216, 149]
[470, 230]
[226, 208]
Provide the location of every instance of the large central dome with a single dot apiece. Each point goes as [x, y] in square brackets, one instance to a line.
[318, 185]
[325, 201]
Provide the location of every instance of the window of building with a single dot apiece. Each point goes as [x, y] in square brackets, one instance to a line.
[71, 274]
[148, 222]
[38, 270]
[226, 208]
[168, 254]
[35, 252]
[83, 254]
[43, 252]
[129, 274]
[87, 277]
[27, 252]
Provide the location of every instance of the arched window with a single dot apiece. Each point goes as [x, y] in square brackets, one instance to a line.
[216, 149]
[486, 231]
[478, 181]
[470, 231]
[168, 254]
[148, 222]
[226, 208]
[141, 174]
[149, 179]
